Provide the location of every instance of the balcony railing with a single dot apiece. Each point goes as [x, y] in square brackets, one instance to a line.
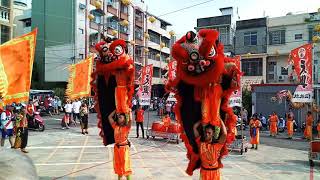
[4, 14]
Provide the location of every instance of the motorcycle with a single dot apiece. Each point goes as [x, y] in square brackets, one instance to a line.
[36, 122]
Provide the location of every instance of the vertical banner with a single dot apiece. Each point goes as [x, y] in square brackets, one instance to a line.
[236, 97]
[145, 85]
[301, 58]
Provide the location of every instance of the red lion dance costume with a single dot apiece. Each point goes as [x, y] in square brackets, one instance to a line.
[112, 83]
[205, 80]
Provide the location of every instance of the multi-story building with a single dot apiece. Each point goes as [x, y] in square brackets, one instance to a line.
[6, 20]
[251, 44]
[22, 17]
[159, 51]
[225, 24]
[66, 34]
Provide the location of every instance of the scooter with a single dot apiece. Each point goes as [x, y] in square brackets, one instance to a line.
[36, 123]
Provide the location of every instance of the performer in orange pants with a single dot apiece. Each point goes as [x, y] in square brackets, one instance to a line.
[121, 160]
[255, 126]
[290, 125]
[274, 124]
[308, 130]
[209, 151]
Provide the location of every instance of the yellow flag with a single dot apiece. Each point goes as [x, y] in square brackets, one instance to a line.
[16, 62]
[79, 79]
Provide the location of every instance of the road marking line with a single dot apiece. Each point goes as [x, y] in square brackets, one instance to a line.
[64, 164]
[110, 158]
[246, 170]
[68, 147]
[174, 163]
[142, 162]
[53, 152]
[80, 156]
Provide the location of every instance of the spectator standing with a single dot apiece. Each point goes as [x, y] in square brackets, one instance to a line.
[139, 116]
[7, 125]
[22, 130]
[244, 116]
[84, 118]
[59, 103]
[263, 121]
[68, 111]
[76, 110]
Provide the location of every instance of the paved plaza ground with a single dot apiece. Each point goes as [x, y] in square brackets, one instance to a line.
[67, 154]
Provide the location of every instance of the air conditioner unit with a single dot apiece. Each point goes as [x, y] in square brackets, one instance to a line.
[82, 6]
[280, 78]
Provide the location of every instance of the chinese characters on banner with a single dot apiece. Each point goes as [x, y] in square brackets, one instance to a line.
[301, 58]
[236, 97]
[145, 85]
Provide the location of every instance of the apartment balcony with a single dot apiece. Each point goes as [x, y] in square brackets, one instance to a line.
[4, 14]
[111, 8]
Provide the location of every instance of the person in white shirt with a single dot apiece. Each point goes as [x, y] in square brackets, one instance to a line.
[6, 127]
[76, 110]
[68, 111]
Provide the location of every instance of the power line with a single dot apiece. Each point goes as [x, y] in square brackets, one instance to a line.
[188, 7]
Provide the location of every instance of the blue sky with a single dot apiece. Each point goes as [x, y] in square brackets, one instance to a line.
[185, 20]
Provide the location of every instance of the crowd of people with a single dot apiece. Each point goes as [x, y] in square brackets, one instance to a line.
[275, 125]
[14, 126]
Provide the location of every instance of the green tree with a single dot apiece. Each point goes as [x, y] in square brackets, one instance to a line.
[60, 92]
[247, 100]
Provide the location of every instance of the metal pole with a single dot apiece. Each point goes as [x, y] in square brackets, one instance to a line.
[148, 118]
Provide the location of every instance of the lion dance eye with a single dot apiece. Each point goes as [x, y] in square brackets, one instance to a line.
[212, 52]
[118, 50]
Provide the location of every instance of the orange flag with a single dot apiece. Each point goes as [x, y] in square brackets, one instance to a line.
[16, 62]
[79, 79]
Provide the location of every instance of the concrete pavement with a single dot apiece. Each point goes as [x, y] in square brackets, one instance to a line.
[67, 154]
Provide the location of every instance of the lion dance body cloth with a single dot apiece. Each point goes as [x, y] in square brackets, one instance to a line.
[204, 83]
[112, 83]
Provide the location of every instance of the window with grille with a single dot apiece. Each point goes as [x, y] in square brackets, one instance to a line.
[138, 33]
[156, 72]
[250, 38]
[297, 36]
[154, 37]
[124, 9]
[277, 37]
[252, 67]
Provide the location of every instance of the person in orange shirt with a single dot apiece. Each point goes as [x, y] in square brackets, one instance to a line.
[290, 125]
[308, 130]
[209, 151]
[274, 124]
[255, 126]
[318, 128]
[139, 116]
[121, 158]
[166, 120]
